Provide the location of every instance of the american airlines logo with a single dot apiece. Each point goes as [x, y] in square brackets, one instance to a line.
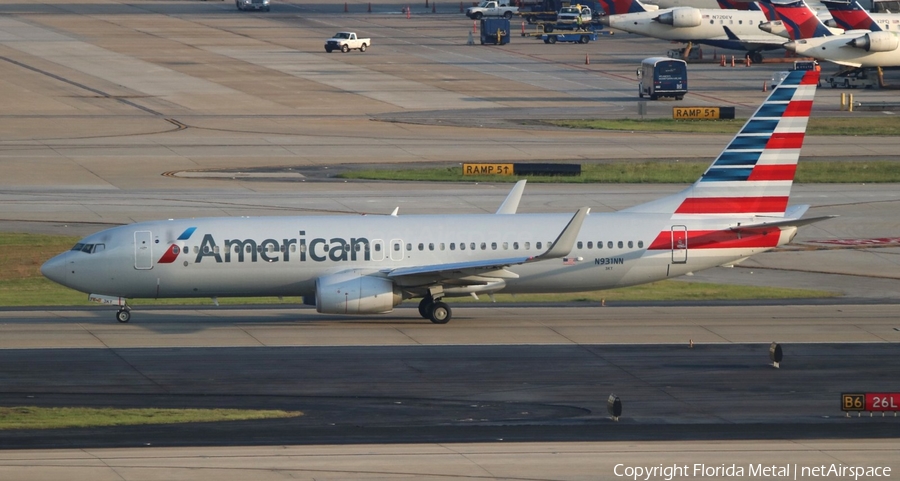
[319, 249]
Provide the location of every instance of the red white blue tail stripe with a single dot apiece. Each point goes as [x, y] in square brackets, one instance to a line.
[753, 175]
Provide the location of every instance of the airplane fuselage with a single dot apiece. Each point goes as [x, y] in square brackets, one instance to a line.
[709, 28]
[283, 256]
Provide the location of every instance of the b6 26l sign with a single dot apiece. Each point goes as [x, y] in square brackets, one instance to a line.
[870, 401]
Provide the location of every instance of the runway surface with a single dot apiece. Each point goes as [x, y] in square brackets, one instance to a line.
[517, 373]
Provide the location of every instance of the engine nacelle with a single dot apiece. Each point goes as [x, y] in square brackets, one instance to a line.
[682, 17]
[876, 42]
[352, 292]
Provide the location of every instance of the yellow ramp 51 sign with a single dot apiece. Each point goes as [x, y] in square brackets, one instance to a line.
[702, 113]
[695, 113]
[488, 169]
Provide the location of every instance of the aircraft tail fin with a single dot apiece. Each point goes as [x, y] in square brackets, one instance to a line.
[617, 7]
[800, 20]
[851, 16]
[754, 174]
[734, 5]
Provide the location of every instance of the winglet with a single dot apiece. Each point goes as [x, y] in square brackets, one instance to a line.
[511, 204]
[563, 244]
[396, 210]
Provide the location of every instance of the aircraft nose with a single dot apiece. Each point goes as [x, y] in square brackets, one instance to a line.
[55, 269]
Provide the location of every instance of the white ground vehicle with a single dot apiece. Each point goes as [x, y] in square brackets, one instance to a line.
[572, 14]
[491, 8]
[252, 5]
[778, 77]
[347, 41]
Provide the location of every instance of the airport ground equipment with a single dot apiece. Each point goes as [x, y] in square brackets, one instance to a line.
[570, 37]
[851, 79]
[494, 31]
[662, 77]
[252, 5]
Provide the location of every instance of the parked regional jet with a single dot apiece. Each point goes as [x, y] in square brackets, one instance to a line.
[853, 48]
[730, 29]
[369, 264]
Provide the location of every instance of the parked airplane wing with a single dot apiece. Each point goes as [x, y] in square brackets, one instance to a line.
[561, 247]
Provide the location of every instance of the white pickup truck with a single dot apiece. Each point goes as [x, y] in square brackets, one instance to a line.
[493, 8]
[574, 15]
[347, 41]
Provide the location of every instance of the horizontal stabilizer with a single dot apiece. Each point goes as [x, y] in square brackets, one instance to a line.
[784, 223]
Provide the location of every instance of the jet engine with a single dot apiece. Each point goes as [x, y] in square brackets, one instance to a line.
[352, 292]
[682, 17]
[876, 42]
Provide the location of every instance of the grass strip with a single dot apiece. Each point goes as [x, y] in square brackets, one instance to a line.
[669, 290]
[30, 417]
[646, 172]
[853, 126]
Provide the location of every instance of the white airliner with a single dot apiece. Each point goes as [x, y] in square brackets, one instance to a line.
[369, 264]
[729, 29]
[872, 47]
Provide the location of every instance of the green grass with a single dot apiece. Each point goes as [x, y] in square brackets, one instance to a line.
[21, 284]
[650, 171]
[29, 417]
[854, 126]
[665, 291]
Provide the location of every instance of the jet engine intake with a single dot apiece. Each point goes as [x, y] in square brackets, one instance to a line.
[352, 292]
[682, 17]
[876, 42]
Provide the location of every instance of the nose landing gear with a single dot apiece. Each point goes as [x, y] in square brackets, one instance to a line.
[123, 315]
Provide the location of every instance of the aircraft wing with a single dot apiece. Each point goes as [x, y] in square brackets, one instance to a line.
[751, 41]
[511, 204]
[494, 268]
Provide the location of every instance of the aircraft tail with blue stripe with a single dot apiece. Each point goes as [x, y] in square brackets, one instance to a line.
[752, 177]
[799, 20]
[618, 7]
[851, 16]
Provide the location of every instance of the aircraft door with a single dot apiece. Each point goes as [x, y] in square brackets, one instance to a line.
[396, 249]
[143, 250]
[679, 244]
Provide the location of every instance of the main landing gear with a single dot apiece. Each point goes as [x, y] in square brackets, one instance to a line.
[434, 310]
[123, 315]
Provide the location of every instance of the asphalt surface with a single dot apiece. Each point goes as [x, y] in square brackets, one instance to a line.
[353, 395]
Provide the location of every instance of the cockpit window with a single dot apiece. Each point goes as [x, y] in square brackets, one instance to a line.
[89, 248]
